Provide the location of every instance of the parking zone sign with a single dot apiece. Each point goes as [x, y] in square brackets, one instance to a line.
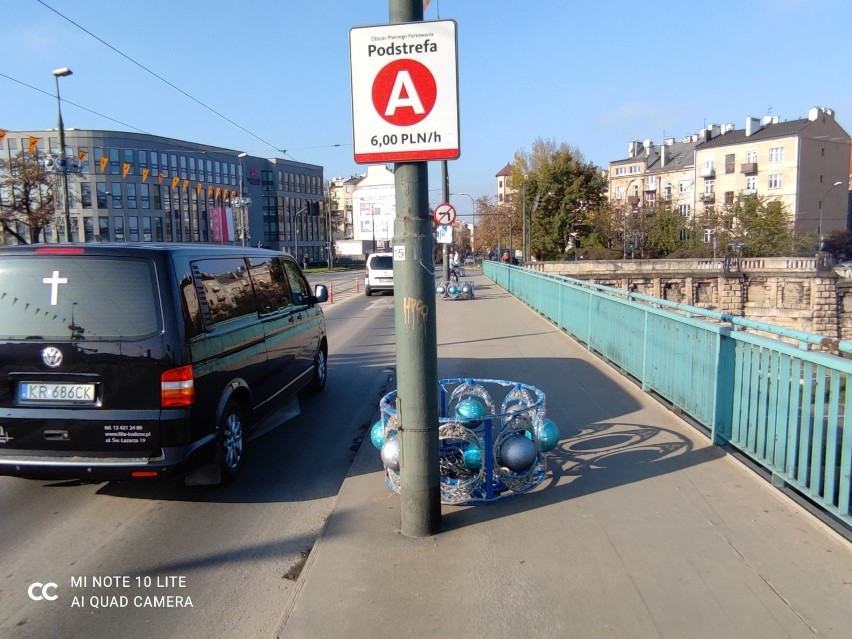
[405, 92]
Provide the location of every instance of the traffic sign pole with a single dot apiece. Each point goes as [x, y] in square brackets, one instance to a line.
[416, 336]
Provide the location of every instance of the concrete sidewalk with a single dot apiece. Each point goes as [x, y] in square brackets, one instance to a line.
[641, 529]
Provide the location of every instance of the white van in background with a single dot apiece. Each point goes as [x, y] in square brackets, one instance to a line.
[378, 274]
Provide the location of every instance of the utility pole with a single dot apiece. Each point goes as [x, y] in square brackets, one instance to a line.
[416, 336]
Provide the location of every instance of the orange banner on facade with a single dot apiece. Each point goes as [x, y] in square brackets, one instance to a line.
[218, 191]
[145, 172]
[160, 178]
[104, 162]
[125, 169]
[33, 145]
[3, 133]
[198, 187]
[210, 191]
[186, 184]
[82, 154]
[175, 181]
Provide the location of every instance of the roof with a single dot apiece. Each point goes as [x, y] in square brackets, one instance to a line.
[766, 132]
[679, 155]
[505, 171]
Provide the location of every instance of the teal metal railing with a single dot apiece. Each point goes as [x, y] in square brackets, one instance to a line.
[756, 387]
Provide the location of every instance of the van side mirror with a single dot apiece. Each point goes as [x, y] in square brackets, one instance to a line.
[321, 293]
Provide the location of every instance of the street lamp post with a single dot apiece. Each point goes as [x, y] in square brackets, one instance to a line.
[63, 160]
[242, 203]
[838, 183]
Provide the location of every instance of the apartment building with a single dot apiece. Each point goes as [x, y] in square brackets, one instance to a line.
[803, 163]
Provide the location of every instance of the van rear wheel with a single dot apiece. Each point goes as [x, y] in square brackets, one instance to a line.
[231, 440]
[320, 371]
[368, 291]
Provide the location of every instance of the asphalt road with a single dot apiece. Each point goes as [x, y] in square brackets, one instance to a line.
[222, 560]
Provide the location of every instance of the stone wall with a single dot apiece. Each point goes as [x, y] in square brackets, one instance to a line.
[799, 293]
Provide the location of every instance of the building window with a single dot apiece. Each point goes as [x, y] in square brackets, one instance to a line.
[128, 159]
[114, 169]
[619, 193]
[183, 167]
[100, 189]
[115, 191]
[751, 157]
[131, 195]
[708, 236]
[751, 182]
[103, 228]
[652, 181]
[709, 187]
[86, 194]
[621, 170]
[636, 168]
[144, 196]
[192, 169]
[267, 181]
[776, 154]
[83, 155]
[158, 202]
[775, 181]
[682, 187]
[729, 197]
[729, 163]
[683, 209]
[133, 227]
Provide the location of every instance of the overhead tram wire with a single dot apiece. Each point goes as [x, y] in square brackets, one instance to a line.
[162, 79]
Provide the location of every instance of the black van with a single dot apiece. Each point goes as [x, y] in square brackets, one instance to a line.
[123, 361]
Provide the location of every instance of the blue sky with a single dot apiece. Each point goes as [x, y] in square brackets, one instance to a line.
[591, 74]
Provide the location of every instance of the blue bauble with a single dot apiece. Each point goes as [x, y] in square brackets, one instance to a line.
[471, 410]
[472, 457]
[548, 434]
[377, 434]
[465, 288]
[452, 289]
[390, 453]
[517, 453]
[440, 289]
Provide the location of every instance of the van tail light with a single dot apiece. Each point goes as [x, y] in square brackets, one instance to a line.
[177, 387]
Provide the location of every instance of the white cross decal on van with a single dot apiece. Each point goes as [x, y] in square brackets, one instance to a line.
[54, 282]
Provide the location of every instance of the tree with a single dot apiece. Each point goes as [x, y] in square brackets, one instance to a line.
[762, 224]
[492, 225]
[839, 244]
[560, 189]
[26, 197]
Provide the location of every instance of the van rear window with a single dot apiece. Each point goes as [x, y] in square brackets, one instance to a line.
[381, 262]
[77, 297]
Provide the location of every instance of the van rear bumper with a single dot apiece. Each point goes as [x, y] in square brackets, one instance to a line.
[35, 464]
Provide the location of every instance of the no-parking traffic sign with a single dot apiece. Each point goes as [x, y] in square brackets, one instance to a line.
[405, 92]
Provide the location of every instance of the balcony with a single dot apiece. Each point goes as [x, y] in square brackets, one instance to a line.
[708, 198]
[708, 172]
[633, 200]
[748, 192]
[748, 167]
[650, 187]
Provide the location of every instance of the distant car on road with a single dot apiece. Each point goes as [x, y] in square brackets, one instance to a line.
[469, 260]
